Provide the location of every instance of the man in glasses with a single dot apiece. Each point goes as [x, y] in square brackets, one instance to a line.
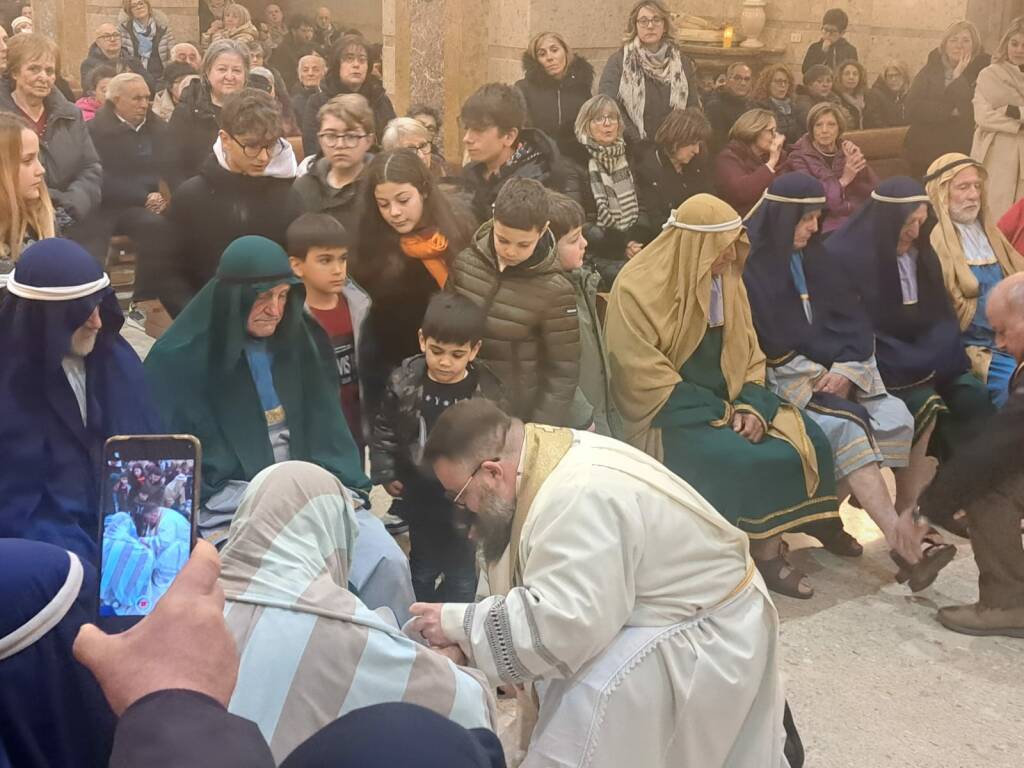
[243, 188]
[618, 586]
[726, 104]
[106, 51]
[833, 49]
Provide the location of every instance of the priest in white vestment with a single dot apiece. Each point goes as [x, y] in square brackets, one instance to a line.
[628, 602]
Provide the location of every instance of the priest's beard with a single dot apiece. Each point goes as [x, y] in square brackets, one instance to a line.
[494, 525]
[965, 213]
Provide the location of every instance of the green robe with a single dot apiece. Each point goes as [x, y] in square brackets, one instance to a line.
[759, 487]
[962, 408]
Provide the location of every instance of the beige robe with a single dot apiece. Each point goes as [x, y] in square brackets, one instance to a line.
[640, 618]
[998, 141]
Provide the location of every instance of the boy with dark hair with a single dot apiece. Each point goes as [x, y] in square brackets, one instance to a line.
[593, 402]
[531, 338]
[242, 188]
[297, 44]
[833, 49]
[499, 148]
[418, 392]
[317, 248]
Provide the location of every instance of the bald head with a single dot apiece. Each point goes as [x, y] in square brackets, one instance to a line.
[108, 40]
[1005, 311]
[187, 53]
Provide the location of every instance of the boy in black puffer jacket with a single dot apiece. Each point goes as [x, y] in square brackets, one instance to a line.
[418, 393]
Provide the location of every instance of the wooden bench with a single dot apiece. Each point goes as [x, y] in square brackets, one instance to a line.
[883, 148]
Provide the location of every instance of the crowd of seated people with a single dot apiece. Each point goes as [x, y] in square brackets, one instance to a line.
[710, 276]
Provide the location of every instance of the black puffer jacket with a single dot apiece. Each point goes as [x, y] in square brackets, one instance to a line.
[883, 108]
[212, 209]
[723, 109]
[535, 157]
[552, 105]
[532, 336]
[372, 90]
[660, 189]
[399, 430]
[194, 128]
[316, 195]
[941, 116]
[73, 170]
[123, 63]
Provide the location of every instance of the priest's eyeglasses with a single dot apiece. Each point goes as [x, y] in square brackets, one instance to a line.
[455, 499]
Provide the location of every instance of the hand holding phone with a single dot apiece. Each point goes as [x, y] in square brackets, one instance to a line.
[184, 644]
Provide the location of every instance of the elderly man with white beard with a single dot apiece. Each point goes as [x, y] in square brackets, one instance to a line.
[631, 606]
[975, 256]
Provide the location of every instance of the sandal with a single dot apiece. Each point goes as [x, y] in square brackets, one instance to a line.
[789, 584]
[843, 544]
[934, 558]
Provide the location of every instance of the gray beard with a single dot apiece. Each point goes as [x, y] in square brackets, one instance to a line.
[494, 525]
[961, 217]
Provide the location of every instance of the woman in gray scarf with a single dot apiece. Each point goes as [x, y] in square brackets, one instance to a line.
[649, 77]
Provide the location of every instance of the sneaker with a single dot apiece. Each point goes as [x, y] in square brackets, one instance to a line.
[978, 620]
[395, 525]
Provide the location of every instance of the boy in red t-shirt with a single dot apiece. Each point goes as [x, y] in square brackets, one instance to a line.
[318, 251]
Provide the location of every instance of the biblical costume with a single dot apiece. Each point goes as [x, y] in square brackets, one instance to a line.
[917, 337]
[255, 402]
[809, 324]
[623, 592]
[285, 574]
[974, 258]
[684, 360]
[58, 408]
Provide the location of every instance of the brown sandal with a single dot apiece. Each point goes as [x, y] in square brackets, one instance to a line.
[843, 544]
[789, 585]
[934, 558]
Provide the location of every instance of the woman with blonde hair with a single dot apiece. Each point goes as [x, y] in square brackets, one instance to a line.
[998, 101]
[649, 76]
[26, 213]
[886, 105]
[939, 107]
[236, 25]
[146, 35]
[751, 159]
[775, 90]
[556, 81]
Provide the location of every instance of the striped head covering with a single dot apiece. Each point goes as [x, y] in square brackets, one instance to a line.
[311, 651]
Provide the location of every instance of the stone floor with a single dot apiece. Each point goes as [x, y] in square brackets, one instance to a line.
[875, 681]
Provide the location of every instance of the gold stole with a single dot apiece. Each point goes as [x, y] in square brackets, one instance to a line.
[543, 448]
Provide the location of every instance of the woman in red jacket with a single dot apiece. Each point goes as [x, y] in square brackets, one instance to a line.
[751, 159]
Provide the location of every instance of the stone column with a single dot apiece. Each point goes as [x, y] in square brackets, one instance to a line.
[64, 21]
[435, 52]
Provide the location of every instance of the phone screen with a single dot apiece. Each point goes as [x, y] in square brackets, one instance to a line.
[148, 521]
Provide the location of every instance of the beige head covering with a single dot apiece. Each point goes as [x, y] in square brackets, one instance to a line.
[658, 315]
[961, 284]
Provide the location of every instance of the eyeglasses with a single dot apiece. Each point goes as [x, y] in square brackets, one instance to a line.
[649, 21]
[605, 120]
[252, 151]
[455, 499]
[830, 30]
[348, 140]
[109, 36]
[424, 148]
[742, 78]
[352, 58]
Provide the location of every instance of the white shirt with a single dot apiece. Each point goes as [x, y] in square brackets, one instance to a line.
[716, 312]
[977, 249]
[907, 264]
[74, 369]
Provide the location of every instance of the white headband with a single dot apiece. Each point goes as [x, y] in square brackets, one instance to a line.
[801, 200]
[725, 226]
[49, 616]
[911, 199]
[56, 293]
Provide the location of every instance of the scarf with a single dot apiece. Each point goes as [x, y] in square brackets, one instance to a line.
[658, 315]
[782, 106]
[430, 249]
[664, 65]
[611, 182]
[144, 34]
[961, 284]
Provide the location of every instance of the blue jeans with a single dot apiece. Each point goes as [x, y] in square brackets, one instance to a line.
[441, 553]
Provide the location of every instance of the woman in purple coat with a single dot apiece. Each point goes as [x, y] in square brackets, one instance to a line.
[837, 163]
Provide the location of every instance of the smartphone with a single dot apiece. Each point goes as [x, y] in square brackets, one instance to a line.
[147, 521]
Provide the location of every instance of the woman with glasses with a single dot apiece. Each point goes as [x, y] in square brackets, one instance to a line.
[610, 198]
[236, 25]
[833, 48]
[886, 105]
[649, 77]
[146, 35]
[409, 133]
[194, 121]
[556, 82]
[751, 160]
[348, 71]
[774, 91]
[243, 188]
[409, 235]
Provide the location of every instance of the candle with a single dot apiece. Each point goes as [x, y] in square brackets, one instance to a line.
[727, 34]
